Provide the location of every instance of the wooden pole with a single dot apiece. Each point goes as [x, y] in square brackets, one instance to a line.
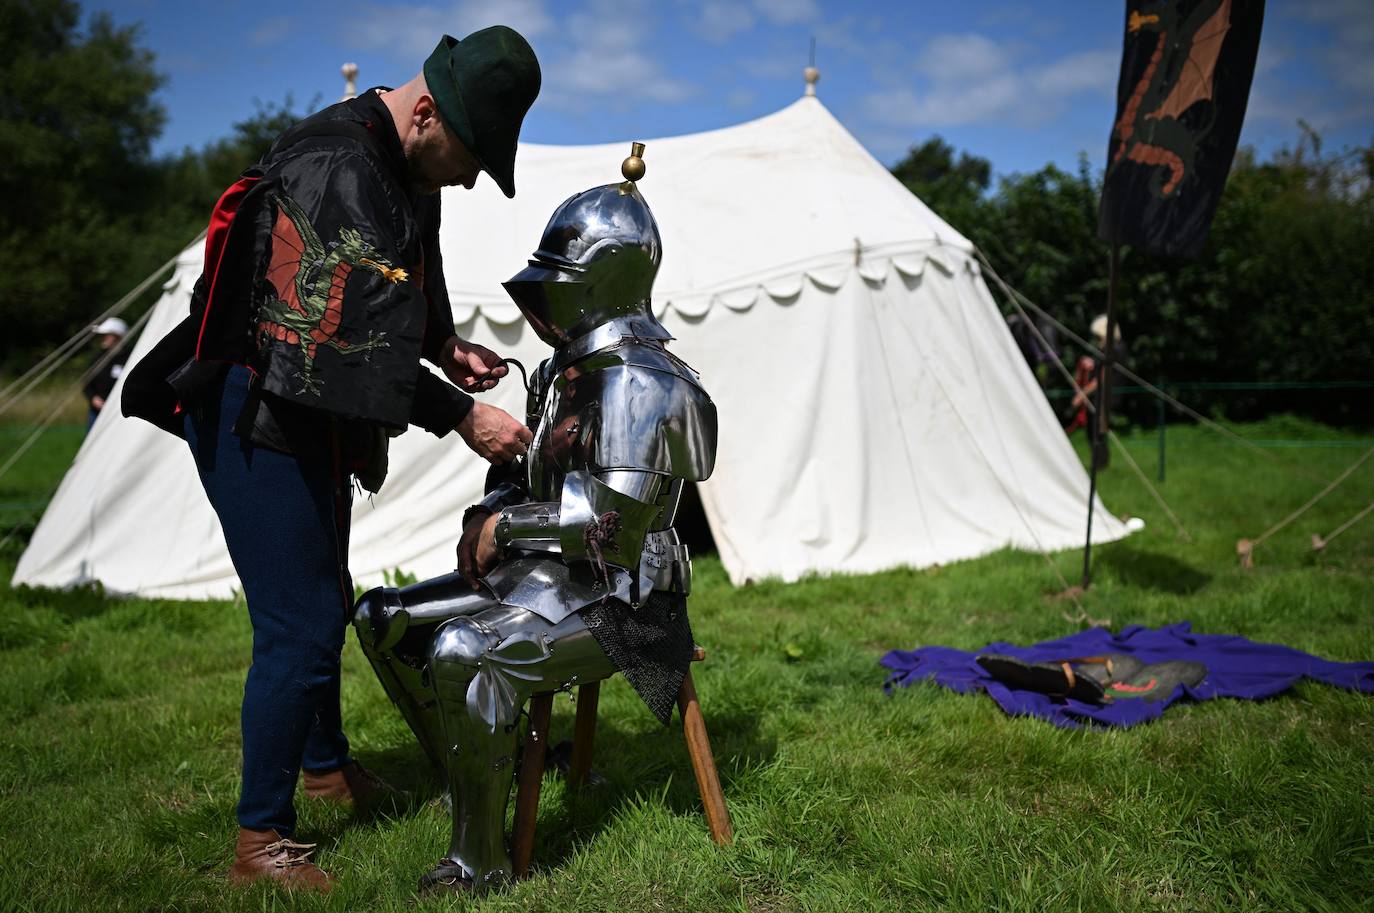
[704, 764]
[531, 780]
[584, 735]
[1104, 374]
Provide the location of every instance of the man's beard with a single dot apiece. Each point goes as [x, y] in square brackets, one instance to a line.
[418, 173]
[420, 182]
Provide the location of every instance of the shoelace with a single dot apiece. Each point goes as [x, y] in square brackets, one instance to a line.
[296, 853]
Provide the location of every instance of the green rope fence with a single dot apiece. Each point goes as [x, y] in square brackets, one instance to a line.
[1061, 393]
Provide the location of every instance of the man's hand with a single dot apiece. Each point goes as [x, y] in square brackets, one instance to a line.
[493, 434]
[477, 549]
[472, 367]
[97, 403]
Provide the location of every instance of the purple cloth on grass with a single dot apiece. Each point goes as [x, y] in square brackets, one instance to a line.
[1236, 667]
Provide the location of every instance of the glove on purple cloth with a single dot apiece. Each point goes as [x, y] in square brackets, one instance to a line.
[1236, 667]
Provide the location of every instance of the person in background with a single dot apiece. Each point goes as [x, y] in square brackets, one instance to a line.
[107, 365]
[1085, 376]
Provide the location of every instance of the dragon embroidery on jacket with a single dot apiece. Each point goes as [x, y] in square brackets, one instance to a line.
[309, 282]
[1180, 73]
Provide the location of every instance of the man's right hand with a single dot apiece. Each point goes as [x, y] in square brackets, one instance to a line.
[493, 434]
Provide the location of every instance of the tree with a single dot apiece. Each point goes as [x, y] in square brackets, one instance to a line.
[76, 124]
[952, 187]
[1283, 291]
[88, 211]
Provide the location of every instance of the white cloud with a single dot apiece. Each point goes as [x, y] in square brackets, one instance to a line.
[774, 66]
[959, 57]
[1090, 71]
[1350, 58]
[410, 32]
[606, 56]
[741, 97]
[970, 79]
[947, 105]
[788, 12]
[850, 34]
[600, 50]
[270, 31]
[1345, 54]
[720, 20]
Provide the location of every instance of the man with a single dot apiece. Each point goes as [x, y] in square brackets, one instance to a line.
[107, 365]
[323, 289]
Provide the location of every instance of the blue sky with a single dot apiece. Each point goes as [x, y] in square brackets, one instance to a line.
[1020, 84]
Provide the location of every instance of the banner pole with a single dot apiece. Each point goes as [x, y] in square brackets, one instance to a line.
[1104, 374]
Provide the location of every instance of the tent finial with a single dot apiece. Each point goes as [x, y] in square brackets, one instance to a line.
[350, 75]
[811, 74]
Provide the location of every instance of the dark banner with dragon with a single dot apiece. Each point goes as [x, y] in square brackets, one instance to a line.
[1186, 69]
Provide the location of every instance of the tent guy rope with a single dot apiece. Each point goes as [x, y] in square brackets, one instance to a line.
[1321, 542]
[1245, 548]
[1087, 401]
[67, 350]
[1156, 391]
[1140, 474]
[62, 404]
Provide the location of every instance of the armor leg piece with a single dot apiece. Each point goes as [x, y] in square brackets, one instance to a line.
[483, 667]
[395, 628]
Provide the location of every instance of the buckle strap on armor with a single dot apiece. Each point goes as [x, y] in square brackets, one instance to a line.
[611, 333]
[447, 873]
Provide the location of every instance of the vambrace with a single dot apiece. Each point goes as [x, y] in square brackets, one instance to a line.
[496, 500]
[601, 518]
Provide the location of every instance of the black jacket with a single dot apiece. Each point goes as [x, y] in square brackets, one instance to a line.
[330, 288]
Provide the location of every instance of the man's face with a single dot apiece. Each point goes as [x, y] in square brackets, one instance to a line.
[435, 157]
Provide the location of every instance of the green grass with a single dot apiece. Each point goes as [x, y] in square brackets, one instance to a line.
[119, 741]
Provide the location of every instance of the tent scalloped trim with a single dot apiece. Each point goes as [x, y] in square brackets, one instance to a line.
[782, 288]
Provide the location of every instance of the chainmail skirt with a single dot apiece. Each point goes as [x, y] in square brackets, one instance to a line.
[651, 646]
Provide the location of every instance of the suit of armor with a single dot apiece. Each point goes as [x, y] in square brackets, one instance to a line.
[590, 560]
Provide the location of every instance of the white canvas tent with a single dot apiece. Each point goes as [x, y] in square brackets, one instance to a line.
[874, 410]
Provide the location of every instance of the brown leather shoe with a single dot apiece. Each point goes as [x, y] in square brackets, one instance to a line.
[260, 855]
[353, 784]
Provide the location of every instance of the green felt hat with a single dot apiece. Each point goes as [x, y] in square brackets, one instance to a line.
[483, 85]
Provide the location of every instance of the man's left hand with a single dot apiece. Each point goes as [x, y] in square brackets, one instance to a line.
[472, 367]
[477, 549]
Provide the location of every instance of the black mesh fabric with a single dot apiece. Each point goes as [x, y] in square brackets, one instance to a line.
[651, 645]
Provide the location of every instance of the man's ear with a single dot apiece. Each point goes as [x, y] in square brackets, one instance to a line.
[424, 111]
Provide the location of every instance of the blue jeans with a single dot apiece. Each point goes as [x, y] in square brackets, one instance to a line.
[286, 525]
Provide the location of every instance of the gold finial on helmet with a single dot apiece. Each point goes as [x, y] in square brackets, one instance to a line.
[633, 167]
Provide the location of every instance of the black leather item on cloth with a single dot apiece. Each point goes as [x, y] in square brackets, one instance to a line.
[1094, 679]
